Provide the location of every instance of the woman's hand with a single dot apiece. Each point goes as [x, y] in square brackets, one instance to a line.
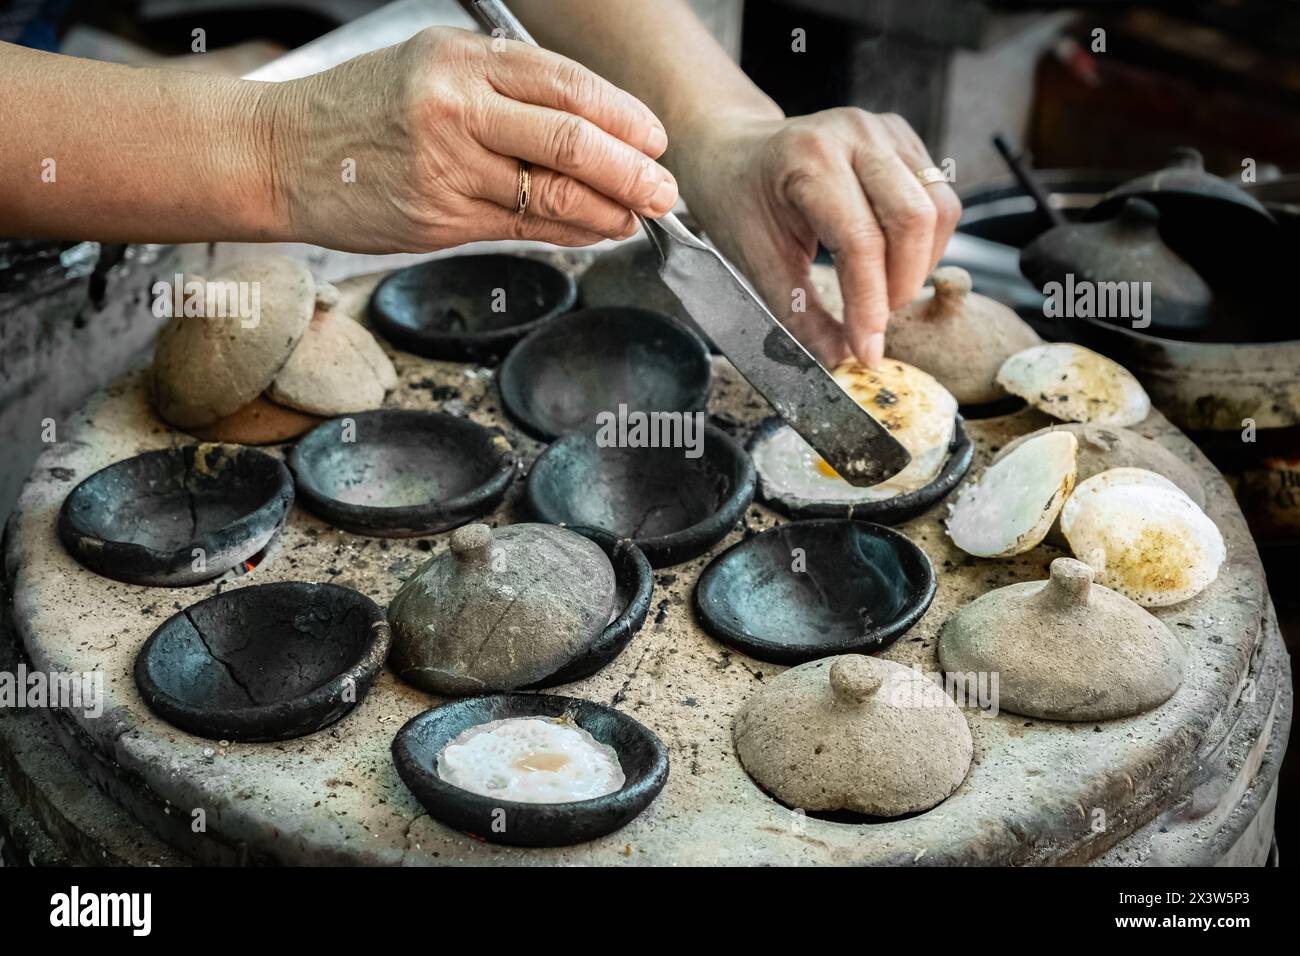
[417, 147]
[766, 190]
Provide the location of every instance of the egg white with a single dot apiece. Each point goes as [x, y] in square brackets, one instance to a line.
[531, 760]
[910, 404]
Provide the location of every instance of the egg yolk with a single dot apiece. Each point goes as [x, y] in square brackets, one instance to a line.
[542, 760]
[826, 469]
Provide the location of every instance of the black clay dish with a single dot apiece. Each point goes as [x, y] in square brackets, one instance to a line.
[672, 507]
[560, 378]
[634, 582]
[141, 520]
[894, 510]
[813, 589]
[642, 755]
[397, 473]
[470, 308]
[268, 662]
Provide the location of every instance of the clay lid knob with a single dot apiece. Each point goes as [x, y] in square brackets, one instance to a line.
[327, 295]
[1185, 157]
[1070, 582]
[951, 286]
[473, 541]
[854, 678]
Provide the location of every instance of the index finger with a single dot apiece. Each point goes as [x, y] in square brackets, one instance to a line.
[537, 76]
[838, 212]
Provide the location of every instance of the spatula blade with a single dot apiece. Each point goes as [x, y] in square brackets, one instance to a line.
[803, 393]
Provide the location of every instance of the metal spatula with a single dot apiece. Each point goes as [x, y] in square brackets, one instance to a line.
[771, 359]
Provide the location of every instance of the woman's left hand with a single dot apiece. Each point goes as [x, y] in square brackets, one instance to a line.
[766, 191]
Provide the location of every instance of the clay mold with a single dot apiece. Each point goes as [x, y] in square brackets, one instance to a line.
[812, 589]
[399, 473]
[448, 308]
[672, 507]
[563, 375]
[268, 662]
[178, 516]
[641, 754]
[810, 502]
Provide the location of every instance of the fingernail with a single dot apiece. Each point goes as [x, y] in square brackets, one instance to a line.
[656, 142]
[875, 349]
[665, 196]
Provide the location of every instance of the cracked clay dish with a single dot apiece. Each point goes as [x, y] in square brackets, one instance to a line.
[520, 788]
[1065, 648]
[268, 662]
[501, 609]
[178, 516]
[854, 733]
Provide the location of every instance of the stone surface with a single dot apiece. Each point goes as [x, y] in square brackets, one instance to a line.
[1065, 648]
[501, 610]
[854, 733]
[1030, 797]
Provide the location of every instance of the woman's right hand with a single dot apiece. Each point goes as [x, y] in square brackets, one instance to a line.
[417, 147]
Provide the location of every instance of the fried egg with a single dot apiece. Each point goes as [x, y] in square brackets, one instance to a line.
[1012, 505]
[1075, 384]
[1143, 536]
[909, 403]
[531, 760]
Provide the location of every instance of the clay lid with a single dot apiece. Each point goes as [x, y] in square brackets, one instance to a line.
[260, 422]
[854, 733]
[501, 609]
[337, 368]
[1126, 249]
[206, 368]
[1065, 648]
[958, 336]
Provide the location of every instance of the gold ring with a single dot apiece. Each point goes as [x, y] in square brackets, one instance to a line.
[931, 175]
[525, 188]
